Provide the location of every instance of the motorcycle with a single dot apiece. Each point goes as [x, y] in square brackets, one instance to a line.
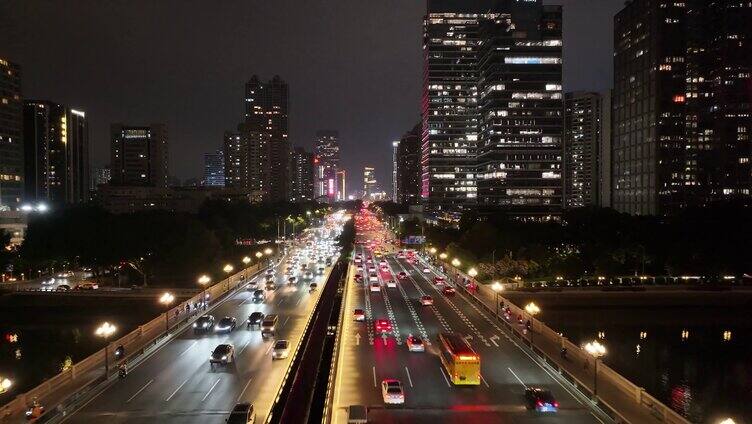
[34, 411]
[122, 371]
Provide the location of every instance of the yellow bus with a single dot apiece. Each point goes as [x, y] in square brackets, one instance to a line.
[459, 359]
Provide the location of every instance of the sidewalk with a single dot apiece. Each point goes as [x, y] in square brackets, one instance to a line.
[619, 398]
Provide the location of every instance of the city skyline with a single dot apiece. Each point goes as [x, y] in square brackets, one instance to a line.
[214, 107]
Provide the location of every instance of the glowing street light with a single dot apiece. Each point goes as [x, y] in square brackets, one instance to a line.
[456, 262]
[268, 251]
[246, 260]
[105, 331]
[228, 268]
[596, 350]
[497, 288]
[472, 272]
[532, 309]
[432, 250]
[204, 280]
[259, 255]
[5, 384]
[727, 421]
[166, 299]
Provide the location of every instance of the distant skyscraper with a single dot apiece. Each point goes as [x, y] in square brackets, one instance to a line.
[327, 164]
[341, 185]
[582, 146]
[681, 104]
[138, 155]
[11, 135]
[235, 154]
[214, 169]
[604, 168]
[266, 115]
[56, 153]
[369, 181]
[408, 167]
[100, 176]
[492, 107]
[395, 146]
[301, 169]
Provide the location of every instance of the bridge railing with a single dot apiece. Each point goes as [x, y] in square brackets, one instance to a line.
[61, 391]
[621, 399]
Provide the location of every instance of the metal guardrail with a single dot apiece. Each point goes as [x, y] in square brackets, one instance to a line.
[642, 399]
[329, 402]
[137, 341]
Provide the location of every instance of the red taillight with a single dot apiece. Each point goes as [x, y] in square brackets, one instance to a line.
[556, 404]
[539, 404]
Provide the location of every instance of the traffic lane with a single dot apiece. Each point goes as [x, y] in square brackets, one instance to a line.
[192, 352]
[519, 370]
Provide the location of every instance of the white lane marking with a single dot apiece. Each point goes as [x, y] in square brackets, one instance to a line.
[445, 377]
[493, 340]
[374, 377]
[280, 301]
[240, 396]
[189, 348]
[139, 391]
[298, 302]
[210, 390]
[596, 417]
[518, 378]
[176, 390]
[286, 319]
[244, 346]
[409, 379]
[484, 380]
[269, 349]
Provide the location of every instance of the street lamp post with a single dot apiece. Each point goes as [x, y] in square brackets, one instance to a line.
[167, 299]
[105, 331]
[596, 350]
[497, 287]
[204, 280]
[532, 309]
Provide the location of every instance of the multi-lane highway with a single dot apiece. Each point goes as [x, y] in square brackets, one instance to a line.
[367, 358]
[176, 384]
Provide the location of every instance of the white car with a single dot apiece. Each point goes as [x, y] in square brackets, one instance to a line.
[415, 344]
[281, 349]
[392, 392]
[426, 270]
[375, 287]
[391, 284]
[372, 277]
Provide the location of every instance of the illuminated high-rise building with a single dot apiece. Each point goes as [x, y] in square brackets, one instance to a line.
[327, 164]
[407, 167]
[582, 148]
[301, 170]
[369, 181]
[56, 153]
[341, 185]
[138, 155]
[235, 153]
[214, 169]
[11, 136]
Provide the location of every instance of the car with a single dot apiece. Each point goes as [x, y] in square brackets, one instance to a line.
[203, 324]
[225, 324]
[400, 255]
[63, 287]
[253, 285]
[359, 315]
[223, 354]
[382, 325]
[448, 291]
[402, 275]
[439, 281]
[383, 263]
[87, 286]
[242, 413]
[292, 280]
[373, 277]
[269, 325]
[358, 278]
[540, 400]
[259, 295]
[392, 392]
[320, 271]
[313, 287]
[392, 284]
[426, 270]
[426, 300]
[269, 272]
[375, 287]
[308, 275]
[281, 349]
[255, 320]
[270, 285]
[415, 344]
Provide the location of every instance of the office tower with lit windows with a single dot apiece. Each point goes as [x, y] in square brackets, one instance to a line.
[11, 136]
[492, 108]
[369, 181]
[341, 185]
[681, 104]
[301, 170]
[138, 155]
[266, 130]
[407, 166]
[582, 147]
[235, 153]
[521, 111]
[327, 164]
[100, 176]
[56, 153]
[214, 169]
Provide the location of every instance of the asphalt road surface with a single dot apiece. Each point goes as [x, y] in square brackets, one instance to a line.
[506, 368]
[176, 384]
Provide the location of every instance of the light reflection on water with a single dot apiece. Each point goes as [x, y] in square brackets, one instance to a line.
[702, 372]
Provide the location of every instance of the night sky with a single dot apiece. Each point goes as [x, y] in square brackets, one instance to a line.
[352, 65]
